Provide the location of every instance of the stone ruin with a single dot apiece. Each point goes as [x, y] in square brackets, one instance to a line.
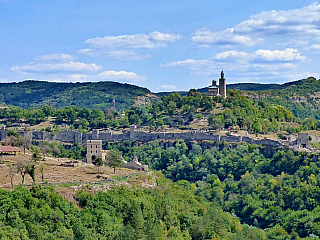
[94, 150]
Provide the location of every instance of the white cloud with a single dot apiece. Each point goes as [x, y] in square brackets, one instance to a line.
[121, 75]
[57, 67]
[89, 52]
[122, 55]
[299, 22]
[78, 78]
[226, 37]
[259, 65]
[56, 57]
[168, 87]
[301, 75]
[164, 37]
[152, 40]
[315, 46]
[294, 27]
[231, 54]
[288, 54]
[187, 63]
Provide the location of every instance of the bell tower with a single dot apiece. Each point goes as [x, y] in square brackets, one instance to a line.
[222, 85]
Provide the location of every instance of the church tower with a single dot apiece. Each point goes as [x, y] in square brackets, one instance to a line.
[222, 85]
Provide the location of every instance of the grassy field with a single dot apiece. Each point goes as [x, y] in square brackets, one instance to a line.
[57, 171]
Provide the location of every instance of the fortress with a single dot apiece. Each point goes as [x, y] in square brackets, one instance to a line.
[218, 90]
[137, 135]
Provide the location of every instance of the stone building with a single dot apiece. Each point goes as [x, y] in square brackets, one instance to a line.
[218, 90]
[109, 111]
[303, 140]
[136, 165]
[94, 150]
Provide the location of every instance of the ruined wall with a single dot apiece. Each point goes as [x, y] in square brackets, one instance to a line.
[142, 136]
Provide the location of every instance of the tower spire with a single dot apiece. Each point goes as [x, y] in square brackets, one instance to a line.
[222, 85]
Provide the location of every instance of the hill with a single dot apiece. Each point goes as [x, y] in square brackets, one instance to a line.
[301, 97]
[91, 94]
[241, 86]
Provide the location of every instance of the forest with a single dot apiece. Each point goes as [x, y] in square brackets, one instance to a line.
[167, 212]
[96, 95]
[171, 110]
[204, 190]
[279, 194]
[300, 97]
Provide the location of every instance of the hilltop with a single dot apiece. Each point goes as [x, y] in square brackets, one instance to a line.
[33, 93]
[301, 97]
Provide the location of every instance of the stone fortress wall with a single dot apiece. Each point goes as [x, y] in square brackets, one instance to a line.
[136, 135]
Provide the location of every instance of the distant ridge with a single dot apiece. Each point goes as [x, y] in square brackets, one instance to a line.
[243, 86]
[34, 93]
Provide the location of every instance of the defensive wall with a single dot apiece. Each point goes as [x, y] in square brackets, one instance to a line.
[137, 135]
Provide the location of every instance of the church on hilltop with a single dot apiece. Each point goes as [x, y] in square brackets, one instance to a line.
[218, 90]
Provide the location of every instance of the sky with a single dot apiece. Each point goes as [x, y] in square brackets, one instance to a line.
[159, 44]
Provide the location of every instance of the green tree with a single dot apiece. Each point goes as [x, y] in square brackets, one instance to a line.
[30, 169]
[21, 169]
[171, 107]
[98, 162]
[11, 172]
[256, 126]
[36, 154]
[42, 167]
[114, 159]
[191, 117]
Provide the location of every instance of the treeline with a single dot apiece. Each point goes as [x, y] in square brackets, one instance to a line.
[236, 112]
[300, 97]
[77, 118]
[96, 95]
[166, 212]
[278, 194]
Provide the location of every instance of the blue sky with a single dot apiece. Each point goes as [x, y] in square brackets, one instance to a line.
[162, 45]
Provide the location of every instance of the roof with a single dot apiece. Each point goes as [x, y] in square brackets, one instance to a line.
[9, 149]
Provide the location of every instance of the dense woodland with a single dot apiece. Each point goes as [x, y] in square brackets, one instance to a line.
[167, 212]
[301, 97]
[236, 111]
[279, 194]
[59, 95]
[207, 191]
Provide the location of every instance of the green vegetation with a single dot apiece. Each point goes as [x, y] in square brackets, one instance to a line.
[114, 159]
[59, 95]
[217, 186]
[238, 111]
[279, 194]
[167, 212]
[300, 97]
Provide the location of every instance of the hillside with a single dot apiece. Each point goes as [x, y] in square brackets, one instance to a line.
[91, 95]
[302, 97]
[241, 86]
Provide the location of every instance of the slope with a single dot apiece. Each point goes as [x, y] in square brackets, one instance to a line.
[91, 95]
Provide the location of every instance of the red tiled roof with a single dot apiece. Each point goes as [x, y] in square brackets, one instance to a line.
[9, 149]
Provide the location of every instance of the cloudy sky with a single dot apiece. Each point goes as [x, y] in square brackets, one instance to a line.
[163, 45]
